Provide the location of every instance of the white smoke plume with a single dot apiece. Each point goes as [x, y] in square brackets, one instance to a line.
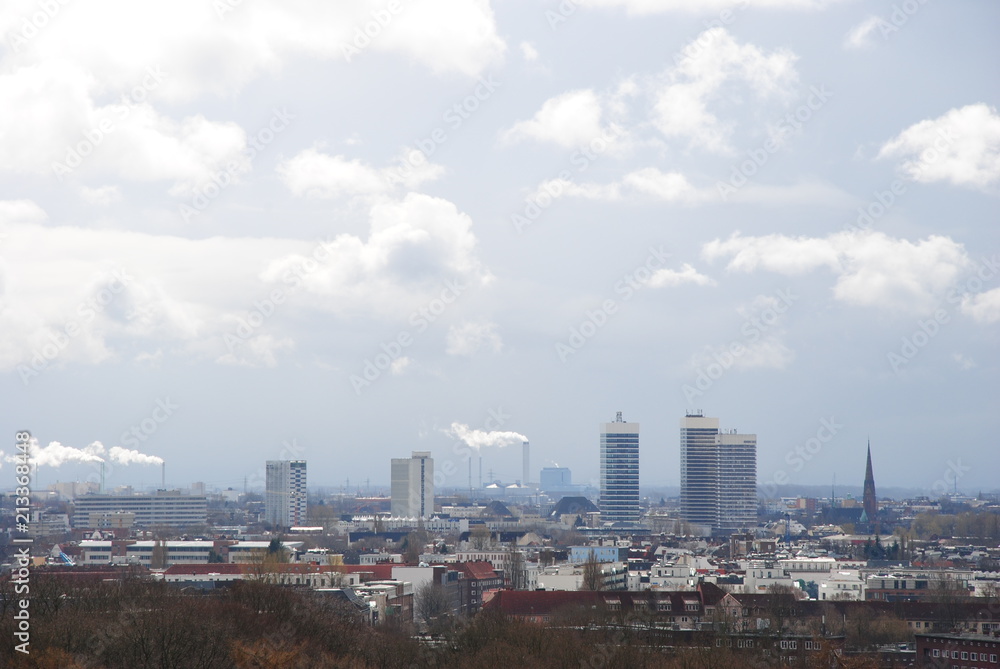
[479, 439]
[56, 454]
[125, 456]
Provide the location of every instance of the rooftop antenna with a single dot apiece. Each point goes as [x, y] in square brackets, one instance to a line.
[833, 492]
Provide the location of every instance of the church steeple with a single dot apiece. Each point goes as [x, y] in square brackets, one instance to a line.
[870, 501]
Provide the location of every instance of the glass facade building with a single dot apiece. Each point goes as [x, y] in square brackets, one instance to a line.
[620, 472]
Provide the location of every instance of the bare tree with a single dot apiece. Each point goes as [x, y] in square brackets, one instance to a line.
[593, 576]
[481, 538]
[518, 573]
[431, 606]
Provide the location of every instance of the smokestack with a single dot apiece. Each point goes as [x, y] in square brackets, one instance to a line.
[102, 476]
[163, 475]
[526, 462]
[480, 472]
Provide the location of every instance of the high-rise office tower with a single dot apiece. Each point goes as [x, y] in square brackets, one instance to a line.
[285, 498]
[620, 471]
[718, 476]
[413, 486]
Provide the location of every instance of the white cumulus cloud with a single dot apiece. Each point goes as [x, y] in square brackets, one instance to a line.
[961, 147]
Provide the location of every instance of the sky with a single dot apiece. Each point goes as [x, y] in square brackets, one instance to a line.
[235, 231]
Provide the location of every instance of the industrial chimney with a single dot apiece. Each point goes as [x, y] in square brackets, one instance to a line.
[526, 464]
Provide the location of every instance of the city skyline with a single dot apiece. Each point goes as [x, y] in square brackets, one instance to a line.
[338, 246]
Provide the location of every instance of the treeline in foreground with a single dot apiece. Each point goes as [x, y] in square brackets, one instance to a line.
[138, 624]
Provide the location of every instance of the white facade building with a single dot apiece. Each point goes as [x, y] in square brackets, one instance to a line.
[285, 497]
[413, 486]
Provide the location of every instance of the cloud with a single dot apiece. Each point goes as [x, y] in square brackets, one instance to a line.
[964, 361]
[859, 37]
[983, 307]
[414, 244]
[257, 351]
[675, 188]
[569, 120]
[961, 147]
[312, 173]
[399, 365]
[467, 339]
[872, 269]
[90, 295]
[528, 52]
[479, 439]
[669, 278]
[666, 187]
[645, 7]
[767, 352]
[21, 211]
[217, 48]
[63, 132]
[102, 196]
[711, 64]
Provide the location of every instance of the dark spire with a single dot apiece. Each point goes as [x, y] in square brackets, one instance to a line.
[870, 501]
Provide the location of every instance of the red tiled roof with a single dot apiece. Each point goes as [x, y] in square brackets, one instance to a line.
[541, 602]
[477, 570]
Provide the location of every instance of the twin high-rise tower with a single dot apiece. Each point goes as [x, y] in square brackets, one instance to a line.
[718, 476]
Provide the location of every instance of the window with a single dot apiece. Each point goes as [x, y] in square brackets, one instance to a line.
[965, 656]
[937, 653]
[663, 606]
[972, 656]
[993, 657]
